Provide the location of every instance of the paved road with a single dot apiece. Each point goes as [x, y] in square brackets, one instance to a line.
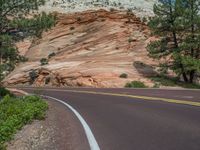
[128, 123]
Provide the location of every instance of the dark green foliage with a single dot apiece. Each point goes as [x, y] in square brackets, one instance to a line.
[135, 84]
[18, 28]
[178, 26]
[33, 75]
[123, 75]
[169, 81]
[16, 112]
[4, 92]
[51, 55]
[165, 81]
[34, 26]
[44, 61]
[144, 20]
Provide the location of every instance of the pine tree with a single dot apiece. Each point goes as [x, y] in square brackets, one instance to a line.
[15, 25]
[190, 45]
[177, 25]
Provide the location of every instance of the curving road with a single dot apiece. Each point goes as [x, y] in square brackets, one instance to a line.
[136, 119]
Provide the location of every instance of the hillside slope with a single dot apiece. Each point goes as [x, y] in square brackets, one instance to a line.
[92, 48]
[139, 7]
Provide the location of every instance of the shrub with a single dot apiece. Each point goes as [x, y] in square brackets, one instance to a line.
[144, 20]
[16, 112]
[23, 59]
[173, 81]
[78, 19]
[123, 75]
[33, 75]
[72, 28]
[136, 84]
[44, 61]
[156, 85]
[4, 92]
[51, 55]
[47, 80]
[165, 81]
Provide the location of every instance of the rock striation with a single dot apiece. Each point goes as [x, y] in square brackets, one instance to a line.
[90, 49]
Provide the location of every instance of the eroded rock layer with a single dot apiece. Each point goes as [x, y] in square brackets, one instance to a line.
[91, 48]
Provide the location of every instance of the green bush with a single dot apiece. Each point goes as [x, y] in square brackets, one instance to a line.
[51, 55]
[173, 81]
[165, 81]
[123, 75]
[33, 75]
[17, 112]
[4, 92]
[44, 61]
[136, 84]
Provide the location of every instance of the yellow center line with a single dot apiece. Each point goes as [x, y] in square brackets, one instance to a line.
[185, 102]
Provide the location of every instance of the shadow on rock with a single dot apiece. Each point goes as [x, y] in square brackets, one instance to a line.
[144, 69]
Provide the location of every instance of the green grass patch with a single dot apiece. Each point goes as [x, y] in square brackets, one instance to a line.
[135, 84]
[172, 81]
[164, 81]
[17, 112]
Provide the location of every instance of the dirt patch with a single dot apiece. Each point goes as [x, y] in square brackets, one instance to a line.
[59, 131]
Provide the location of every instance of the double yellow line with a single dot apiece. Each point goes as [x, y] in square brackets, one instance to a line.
[184, 102]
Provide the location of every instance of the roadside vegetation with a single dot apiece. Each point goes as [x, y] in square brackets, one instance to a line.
[135, 84]
[176, 25]
[19, 20]
[17, 112]
[4, 92]
[172, 82]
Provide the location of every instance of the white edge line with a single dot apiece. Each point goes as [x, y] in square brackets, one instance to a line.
[90, 137]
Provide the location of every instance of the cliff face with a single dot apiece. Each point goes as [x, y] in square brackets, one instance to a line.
[92, 48]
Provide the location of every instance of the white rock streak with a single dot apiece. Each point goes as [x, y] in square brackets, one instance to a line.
[140, 7]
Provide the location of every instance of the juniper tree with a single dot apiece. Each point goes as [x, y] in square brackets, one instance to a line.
[176, 23]
[16, 24]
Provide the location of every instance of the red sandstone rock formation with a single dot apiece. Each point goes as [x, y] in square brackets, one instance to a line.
[92, 48]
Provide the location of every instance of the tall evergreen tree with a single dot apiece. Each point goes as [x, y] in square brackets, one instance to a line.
[16, 24]
[190, 45]
[177, 25]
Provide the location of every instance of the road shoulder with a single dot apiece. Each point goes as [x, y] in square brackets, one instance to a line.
[59, 131]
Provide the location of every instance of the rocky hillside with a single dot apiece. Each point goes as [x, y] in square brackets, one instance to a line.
[90, 48]
[139, 7]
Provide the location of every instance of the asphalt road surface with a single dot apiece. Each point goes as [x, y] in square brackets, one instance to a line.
[146, 121]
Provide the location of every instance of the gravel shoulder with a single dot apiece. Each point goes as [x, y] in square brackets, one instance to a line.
[61, 130]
